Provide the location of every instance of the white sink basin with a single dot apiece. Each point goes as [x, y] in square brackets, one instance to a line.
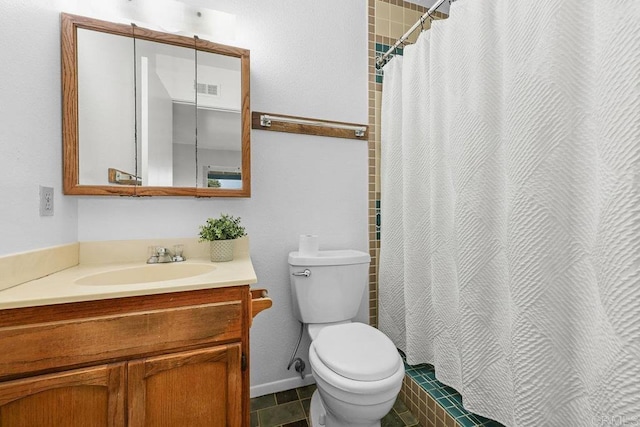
[146, 274]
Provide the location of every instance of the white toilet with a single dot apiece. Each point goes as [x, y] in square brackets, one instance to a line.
[357, 368]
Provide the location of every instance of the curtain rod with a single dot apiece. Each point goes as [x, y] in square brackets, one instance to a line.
[383, 59]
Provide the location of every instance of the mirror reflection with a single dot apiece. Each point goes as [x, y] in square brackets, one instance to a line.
[106, 115]
[165, 78]
[157, 111]
[219, 121]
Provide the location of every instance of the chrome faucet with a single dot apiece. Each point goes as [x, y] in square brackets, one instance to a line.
[162, 255]
[153, 259]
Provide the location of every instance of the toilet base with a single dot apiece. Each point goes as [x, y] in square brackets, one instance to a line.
[316, 410]
[318, 416]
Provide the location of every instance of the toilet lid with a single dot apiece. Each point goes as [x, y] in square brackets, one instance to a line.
[357, 351]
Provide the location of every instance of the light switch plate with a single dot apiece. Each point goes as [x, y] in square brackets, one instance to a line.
[46, 201]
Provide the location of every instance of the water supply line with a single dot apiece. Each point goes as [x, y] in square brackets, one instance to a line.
[299, 363]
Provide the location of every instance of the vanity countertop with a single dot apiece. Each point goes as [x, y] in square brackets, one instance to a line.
[61, 287]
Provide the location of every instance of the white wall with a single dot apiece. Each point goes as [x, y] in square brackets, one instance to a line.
[30, 128]
[308, 58]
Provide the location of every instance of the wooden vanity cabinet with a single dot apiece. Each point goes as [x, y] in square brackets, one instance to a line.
[157, 360]
[83, 397]
[194, 388]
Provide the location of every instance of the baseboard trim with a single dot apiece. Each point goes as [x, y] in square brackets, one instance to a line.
[281, 385]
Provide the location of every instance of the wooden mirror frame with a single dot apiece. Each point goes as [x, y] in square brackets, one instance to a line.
[70, 141]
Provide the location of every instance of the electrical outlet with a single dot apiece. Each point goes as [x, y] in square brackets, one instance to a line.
[46, 201]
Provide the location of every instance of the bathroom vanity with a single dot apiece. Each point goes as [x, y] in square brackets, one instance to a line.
[147, 358]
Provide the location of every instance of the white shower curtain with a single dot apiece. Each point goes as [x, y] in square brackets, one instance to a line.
[510, 211]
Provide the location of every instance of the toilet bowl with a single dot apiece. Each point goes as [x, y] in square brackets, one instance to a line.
[358, 373]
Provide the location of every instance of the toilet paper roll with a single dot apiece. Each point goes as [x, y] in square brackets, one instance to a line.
[308, 245]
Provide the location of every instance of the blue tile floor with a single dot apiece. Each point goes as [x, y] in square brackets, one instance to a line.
[425, 376]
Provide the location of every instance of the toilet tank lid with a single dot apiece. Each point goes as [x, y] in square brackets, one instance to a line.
[339, 257]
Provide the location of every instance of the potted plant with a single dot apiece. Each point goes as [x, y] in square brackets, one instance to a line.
[221, 233]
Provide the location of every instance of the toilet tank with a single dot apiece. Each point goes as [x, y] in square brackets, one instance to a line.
[333, 290]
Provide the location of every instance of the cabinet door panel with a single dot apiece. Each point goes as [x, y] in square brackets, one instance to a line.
[80, 398]
[194, 388]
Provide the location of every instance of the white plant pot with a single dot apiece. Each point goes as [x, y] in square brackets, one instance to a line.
[221, 250]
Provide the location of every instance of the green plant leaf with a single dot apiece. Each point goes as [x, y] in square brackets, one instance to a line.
[227, 227]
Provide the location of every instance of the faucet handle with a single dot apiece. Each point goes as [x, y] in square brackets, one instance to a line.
[152, 253]
[178, 253]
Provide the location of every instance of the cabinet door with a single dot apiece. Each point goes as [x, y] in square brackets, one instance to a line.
[88, 397]
[194, 388]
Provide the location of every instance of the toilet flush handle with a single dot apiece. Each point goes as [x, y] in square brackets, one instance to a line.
[305, 273]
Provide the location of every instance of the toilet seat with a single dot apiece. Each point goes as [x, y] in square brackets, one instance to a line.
[353, 390]
[357, 352]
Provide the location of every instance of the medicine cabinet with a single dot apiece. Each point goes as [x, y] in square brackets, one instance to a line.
[147, 113]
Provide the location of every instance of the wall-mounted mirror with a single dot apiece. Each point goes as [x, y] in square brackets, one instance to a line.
[148, 113]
